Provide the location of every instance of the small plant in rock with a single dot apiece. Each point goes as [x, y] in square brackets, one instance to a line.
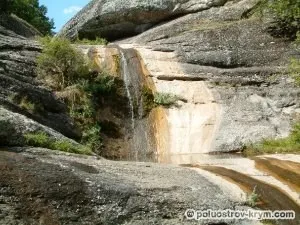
[290, 144]
[91, 137]
[37, 139]
[102, 84]
[165, 99]
[294, 67]
[27, 105]
[147, 100]
[96, 41]
[43, 140]
[253, 198]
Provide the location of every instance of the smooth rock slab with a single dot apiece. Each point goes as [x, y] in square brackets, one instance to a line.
[118, 18]
[66, 189]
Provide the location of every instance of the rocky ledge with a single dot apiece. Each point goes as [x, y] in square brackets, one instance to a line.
[26, 106]
[118, 18]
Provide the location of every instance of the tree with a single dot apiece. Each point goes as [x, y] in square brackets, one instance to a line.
[31, 11]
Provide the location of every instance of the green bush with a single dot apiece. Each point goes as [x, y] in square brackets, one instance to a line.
[60, 64]
[102, 84]
[41, 139]
[66, 70]
[165, 99]
[287, 15]
[91, 137]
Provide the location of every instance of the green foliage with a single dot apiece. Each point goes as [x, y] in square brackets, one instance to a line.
[41, 139]
[287, 13]
[165, 99]
[91, 137]
[150, 100]
[27, 105]
[66, 146]
[31, 11]
[102, 84]
[66, 70]
[253, 198]
[294, 67]
[60, 64]
[290, 144]
[97, 41]
[147, 99]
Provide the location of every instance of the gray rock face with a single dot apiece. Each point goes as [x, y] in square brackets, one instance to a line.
[229, 48]
[13, 126]
[118, 18]
[19, 90]
[19, 26]
[66, 189]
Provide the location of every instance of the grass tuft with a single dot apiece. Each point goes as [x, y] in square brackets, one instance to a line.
[97, 41]
[290, 144]
[253, 198]
[41, 139]
[165, 99]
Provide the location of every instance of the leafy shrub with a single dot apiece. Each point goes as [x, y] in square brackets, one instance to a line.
[69, 73]
[102, 84]
[60, 64]
[165, 99]
[91, 137]
[287, 15]
[41, 139]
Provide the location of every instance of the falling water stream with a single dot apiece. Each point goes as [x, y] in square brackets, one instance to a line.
[126, 75]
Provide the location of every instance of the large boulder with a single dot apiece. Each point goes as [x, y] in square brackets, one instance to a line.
[20, 91]
[118, 18]
[18, 25]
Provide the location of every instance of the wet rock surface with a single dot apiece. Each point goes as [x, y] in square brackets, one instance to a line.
[39, 186]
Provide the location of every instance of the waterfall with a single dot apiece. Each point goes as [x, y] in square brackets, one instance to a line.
[126, 75]
[141, 141]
